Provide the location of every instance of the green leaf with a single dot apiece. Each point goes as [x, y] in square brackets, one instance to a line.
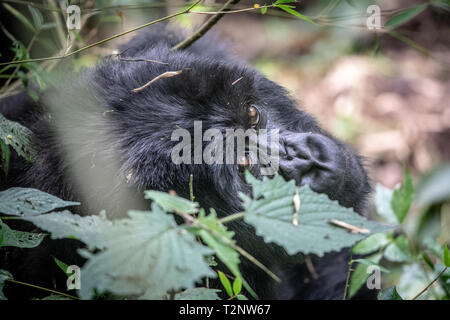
[172, 203]
[368, 262]
[241, 297]
[224, 252]
[29, 202]
[4, 275]
[237, 286]
[389, 294]
[19, 137]
[272, 216]
[61, 265]
[263, 10]
[20, 17]
[383, 199]
[67, 225]
[198, 294]
[38, 20]
[295, 13]
[398, 251]
[283, 1]
[360, 275]
[19, 239]
[446, 256]
[370, 244]
[146, 252]
[403, 197]
[225, 283]
[404, 16]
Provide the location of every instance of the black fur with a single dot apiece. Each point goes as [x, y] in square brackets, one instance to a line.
[96, 124]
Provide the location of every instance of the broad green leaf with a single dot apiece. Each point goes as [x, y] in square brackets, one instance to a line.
[383, 199]
[225, 283]
[403, 197]
[288, 9]
[4, 275]
[446, 256]
[172, 203]
[360, 275]
[19, 239]
[20, 17]
[29, 202]
[67, 225]
[241, 297]
[389, 294]
[237, 286]
[371, 244]
[198, 294]
[146, 251]
[263, 10]
[398, 251]
[272, 215]
[404, 16]
[19, 137]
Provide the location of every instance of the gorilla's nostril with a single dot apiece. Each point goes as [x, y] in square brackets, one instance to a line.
[289, 157]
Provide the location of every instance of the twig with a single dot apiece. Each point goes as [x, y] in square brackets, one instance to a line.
[187, 10]
[349, 227]
[144, 60]
[191, 187]
[347, 280]
[205, 27]
[166, 74]
[431, 283]
[232, 217]
[42, 288]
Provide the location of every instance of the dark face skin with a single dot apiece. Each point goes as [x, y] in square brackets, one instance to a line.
[135, 131]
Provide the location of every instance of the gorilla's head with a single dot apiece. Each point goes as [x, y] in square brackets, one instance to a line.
[109, 121]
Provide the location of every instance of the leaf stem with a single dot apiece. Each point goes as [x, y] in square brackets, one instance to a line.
[430, 284]
[42, 288]
[347, 280]
[232, 217]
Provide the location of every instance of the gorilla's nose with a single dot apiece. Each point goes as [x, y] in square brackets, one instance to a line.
[312, 159]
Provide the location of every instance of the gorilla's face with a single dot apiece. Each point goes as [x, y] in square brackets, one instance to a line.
[226, 96]
[222, 96]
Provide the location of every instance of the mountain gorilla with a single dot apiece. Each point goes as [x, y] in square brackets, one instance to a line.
[101, 142]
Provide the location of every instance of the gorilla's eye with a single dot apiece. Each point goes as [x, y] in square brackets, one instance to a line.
[253, 116]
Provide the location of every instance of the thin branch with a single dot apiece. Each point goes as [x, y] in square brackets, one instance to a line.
[166, 74]
[234, 11]
[105, 40]
[139, 59]
[42, 288]
[347, 279]
[431, 283]
[206, 26]
[232, 217]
